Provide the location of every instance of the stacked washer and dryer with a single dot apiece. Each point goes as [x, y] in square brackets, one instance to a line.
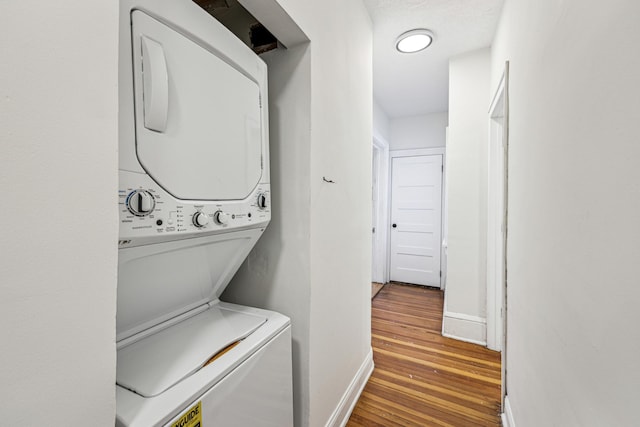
[194, 199]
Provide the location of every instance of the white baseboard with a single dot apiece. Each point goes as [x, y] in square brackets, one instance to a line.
[507, 415]
[463, 327]
[350, 397]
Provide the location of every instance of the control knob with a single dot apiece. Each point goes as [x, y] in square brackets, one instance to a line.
[200, 219]
[141, 203]
[221, 218]
[262, 200]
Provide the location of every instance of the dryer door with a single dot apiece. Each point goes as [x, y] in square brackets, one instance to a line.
[198, 117]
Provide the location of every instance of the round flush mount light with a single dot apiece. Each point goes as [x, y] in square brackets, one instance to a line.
[414, 41]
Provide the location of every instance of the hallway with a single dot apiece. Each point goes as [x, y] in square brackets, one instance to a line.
[420, 377]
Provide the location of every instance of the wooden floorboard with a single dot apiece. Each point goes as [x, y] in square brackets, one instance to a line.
[422, 378]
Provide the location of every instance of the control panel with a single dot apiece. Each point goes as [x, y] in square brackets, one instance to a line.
[148, 214]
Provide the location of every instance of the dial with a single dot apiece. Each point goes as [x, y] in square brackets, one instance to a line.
[200, 219]
[141, 203]
[262, 200]
[221, 218]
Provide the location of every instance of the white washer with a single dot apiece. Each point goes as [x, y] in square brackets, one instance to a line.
[194, 198]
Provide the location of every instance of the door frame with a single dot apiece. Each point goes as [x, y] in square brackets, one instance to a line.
[414, 153]
[381, 236]
[497, 221]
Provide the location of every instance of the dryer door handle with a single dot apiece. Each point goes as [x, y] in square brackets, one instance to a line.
[155, 85]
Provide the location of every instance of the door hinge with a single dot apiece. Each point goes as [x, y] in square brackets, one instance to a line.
[373, 230]
[440, 273]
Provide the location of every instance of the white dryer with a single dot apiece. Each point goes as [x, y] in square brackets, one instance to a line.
[194, 197]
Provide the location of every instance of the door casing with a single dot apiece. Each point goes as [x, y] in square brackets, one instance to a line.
[379, 267]
[497, 222]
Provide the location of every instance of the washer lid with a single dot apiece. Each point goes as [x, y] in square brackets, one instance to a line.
[158, 283]
[198, 115]
[152, 365]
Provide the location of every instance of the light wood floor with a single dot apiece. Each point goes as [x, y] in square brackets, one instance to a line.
[420, 377]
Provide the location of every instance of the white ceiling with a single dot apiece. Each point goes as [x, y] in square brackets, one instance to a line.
[414, 84]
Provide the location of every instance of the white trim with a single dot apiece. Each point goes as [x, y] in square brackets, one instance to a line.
[495, 236]
[444, 255]
[382, 226]
[379, 140]
[417, 152]
[464, 327]
[273, 16]
[497, 108]
[497, 214]
[507, 415]
[350, 397]
[465, 317]
[377, 266]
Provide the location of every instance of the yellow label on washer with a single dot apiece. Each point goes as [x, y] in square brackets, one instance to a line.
[191, 418]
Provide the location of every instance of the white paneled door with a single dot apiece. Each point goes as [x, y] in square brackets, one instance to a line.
[416, 215]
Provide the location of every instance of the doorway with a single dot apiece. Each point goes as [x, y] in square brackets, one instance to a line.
[416, 217]
[379, 210]
[497, 221]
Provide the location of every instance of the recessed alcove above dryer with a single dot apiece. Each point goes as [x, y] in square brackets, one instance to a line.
[242, 23]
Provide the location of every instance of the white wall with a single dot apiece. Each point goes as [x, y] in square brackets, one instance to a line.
[381, 123]
[314, 261]
[424, 131]
[466, 176]
[276, 275]
[574, 199]
[340, 213]
[58, 180]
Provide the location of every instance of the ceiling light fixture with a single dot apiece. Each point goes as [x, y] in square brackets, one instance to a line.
[414, 41]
